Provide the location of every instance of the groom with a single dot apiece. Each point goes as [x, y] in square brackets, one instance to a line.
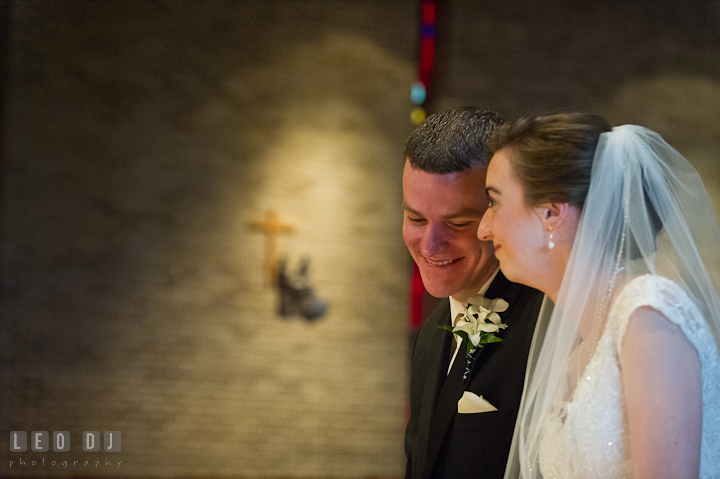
[459, 427]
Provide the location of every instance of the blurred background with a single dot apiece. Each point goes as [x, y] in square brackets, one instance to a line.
[143, 144]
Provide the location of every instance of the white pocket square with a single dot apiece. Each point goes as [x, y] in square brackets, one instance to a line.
[471, 403]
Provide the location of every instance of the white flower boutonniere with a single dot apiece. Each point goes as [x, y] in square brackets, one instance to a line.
[478, 326]
[480, 322]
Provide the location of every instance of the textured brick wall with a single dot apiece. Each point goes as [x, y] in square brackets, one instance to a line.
[143, 138]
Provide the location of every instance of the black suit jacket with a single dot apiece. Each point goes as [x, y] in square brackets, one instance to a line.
[439, 442]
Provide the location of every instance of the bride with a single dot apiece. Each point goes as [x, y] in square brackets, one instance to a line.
[616, 228]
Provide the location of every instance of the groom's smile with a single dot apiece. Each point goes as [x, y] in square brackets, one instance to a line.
[440, 263]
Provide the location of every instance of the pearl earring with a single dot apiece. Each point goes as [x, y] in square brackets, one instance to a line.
[551, 244]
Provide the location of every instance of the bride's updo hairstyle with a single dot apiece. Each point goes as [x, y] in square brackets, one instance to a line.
[551, 155]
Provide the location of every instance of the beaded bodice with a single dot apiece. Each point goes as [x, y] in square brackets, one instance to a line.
[586, 437]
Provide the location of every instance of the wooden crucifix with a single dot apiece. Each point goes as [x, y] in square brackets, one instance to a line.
[272, 227]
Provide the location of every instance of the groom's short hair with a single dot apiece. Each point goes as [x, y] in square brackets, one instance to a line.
[451, 140]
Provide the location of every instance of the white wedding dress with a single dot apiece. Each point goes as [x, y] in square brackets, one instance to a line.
[586, 437]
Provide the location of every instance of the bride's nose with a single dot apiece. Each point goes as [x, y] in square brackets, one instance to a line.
[484, 233]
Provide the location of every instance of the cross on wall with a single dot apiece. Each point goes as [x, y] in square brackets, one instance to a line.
[272, 227]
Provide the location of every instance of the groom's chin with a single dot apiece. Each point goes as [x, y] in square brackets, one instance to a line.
[439, 287]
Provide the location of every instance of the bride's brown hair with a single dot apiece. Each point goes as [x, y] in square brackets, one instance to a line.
[551, 155]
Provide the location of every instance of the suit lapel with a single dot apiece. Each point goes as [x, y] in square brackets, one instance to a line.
[450, 393]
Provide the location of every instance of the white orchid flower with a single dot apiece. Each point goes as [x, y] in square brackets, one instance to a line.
[481, 319]
[497, 305]
[468, 327]
[488, 327]
[476, 328]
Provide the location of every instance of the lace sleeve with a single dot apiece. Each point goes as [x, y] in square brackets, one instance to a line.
[672, 302]
[664, 296]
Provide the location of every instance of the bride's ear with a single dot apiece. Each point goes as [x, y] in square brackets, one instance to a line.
[555, 214]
